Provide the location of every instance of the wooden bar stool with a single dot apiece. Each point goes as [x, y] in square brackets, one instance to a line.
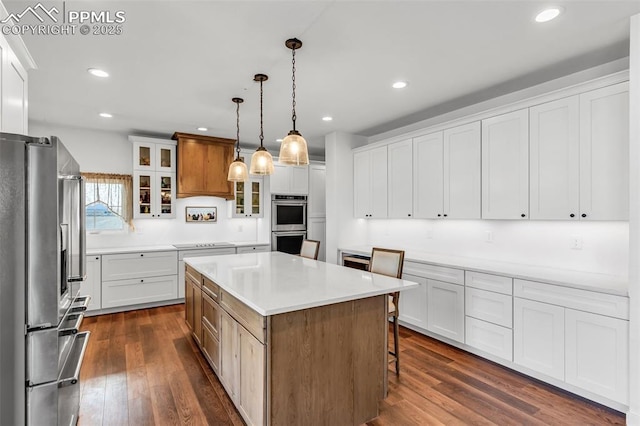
[389, 262]
[310, 249]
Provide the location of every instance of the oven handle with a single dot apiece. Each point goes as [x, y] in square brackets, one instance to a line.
[82, 238]
[71, 371]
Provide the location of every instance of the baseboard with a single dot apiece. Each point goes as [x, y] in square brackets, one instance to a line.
[633, 418]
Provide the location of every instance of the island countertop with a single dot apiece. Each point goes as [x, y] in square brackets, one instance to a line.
[273, 283]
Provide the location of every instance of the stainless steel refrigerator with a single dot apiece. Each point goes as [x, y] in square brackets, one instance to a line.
[42, 264]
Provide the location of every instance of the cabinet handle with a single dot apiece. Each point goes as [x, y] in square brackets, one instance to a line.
[523, 215]
[572, 215]
[583, 215]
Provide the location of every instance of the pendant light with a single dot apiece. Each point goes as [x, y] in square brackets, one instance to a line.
[261, 160]
[293, 151]
[237, 169]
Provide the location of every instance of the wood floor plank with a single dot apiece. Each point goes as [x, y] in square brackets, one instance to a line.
[144, 368]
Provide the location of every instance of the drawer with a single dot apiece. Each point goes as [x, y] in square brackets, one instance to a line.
[489, 306]
[440, 273]
[581, 300]
[490, 338]
[136, 291]
[192, 275]
[253, 249]
[210, 288]
[211, 314]
[211, 348]
[247, 317]
[139, 265]
[490, 282]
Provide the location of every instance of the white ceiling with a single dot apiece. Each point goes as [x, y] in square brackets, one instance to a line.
[178, 63]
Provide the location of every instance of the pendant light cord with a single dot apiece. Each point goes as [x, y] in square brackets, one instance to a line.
[238, 130]
[261, 132]
[293, 96]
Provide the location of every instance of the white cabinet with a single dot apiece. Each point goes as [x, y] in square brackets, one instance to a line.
[488, 306]
[316, 203]
[446, 171]
[142, 277]
[289, 180]
[253, 249]
[604, 153]
[538, 337]
[428, 175]
[490, 338]
[555, 159]
[597, 354]
[413, 302]
[370, 183]
[248, 200]
[400, 179]
[317, 230]
[14, 88]
[154, 177]
[445, 309]
[505, 166]
[92, 286]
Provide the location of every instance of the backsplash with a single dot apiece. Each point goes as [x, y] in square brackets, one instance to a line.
[604, 245]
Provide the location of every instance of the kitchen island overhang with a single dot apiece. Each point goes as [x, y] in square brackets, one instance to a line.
[298, 341]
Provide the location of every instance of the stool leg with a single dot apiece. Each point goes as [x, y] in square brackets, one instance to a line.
[396, 346]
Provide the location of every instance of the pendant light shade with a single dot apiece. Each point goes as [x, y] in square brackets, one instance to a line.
[293, 151]
[237, 169]
[261, 160]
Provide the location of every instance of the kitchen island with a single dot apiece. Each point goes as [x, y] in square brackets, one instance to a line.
[292, 340]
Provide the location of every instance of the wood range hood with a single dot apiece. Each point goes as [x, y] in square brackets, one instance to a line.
[203, 163]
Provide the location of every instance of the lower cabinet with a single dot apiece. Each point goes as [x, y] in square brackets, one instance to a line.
[251, 369]
[138, 290]
[445, 309]
[228, 349]
[92, 285]
[488, 337]
[413, 302]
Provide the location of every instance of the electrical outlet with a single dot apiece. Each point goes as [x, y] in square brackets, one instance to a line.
[488, 236]
[576, 242]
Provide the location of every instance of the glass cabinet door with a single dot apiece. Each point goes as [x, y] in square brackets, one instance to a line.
[256, 199]
[165, 184]
[248, 200]
[144, 156]
[144, 194]
[165, 158]
[240, 209]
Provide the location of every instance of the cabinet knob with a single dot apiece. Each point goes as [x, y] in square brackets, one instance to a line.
[583, 215]
[97, 258]
[141, 281]
[523, 215]
[409, 214]
[572, 215]
[141, 255]
[445, 215]
[439, 215]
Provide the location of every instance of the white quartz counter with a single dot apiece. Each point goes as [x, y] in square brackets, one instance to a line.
[603, 283]
[165, 247]
[274, 283]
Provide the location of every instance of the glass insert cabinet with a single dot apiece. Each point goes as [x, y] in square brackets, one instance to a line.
[248, 199]
[154, 178]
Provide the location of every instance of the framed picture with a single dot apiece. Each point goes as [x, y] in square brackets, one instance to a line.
[201, 214]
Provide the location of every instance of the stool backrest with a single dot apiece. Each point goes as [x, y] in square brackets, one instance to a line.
[310, 249]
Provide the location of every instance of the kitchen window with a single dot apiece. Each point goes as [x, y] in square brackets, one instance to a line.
[108, 201]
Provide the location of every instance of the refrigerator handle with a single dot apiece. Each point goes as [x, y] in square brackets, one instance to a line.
[82, 238]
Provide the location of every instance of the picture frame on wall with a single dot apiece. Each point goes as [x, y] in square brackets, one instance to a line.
[201, 214]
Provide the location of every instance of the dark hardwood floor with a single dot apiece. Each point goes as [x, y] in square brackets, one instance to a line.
[143, 368]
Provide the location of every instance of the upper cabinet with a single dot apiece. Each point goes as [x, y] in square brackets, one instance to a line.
[203, 164]
[370, 183]
[317, 206]
[604, 153]
[248, 198]
[13, 86]
[289, 180]
[446, 169]
[154, 177]
[400, 179]
[579, 156]
[505, 166]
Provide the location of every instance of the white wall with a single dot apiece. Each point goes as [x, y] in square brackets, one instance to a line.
[109, 152]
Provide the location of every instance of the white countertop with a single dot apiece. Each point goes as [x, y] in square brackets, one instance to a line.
[603, 283]
[274, 283]
[165, 247]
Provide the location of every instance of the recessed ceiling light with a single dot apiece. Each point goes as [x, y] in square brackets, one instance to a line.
[399, 85]
[202, 129]
[98, 73]
[548, 14]
[105, 115]
[278, 140]
[327, 118]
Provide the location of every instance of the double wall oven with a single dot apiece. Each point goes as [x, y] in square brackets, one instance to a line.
[288, 222]
[42, 259]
